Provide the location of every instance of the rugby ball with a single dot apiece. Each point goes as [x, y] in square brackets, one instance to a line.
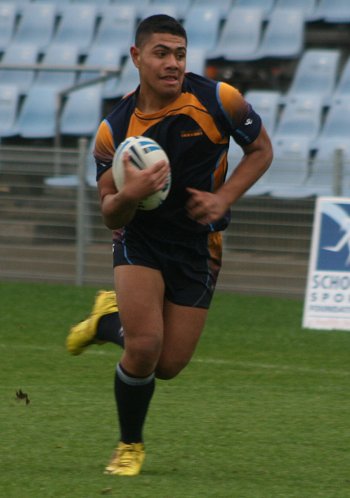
[143, 152]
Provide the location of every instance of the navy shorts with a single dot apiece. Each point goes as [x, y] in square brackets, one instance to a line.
[189, 269]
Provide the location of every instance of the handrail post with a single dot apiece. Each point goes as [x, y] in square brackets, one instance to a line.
[338, 171]
[80, 213]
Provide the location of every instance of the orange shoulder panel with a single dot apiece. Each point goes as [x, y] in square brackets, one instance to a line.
[104, 145]
[233, 102]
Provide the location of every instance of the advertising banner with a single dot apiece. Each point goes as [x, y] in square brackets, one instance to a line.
[327, 298]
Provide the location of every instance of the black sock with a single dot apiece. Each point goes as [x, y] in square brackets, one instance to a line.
[133, 396]
[109, 329]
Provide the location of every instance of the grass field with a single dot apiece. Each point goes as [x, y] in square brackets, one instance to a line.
[263, 411]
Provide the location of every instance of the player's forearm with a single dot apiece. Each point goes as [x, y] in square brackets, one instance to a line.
[256, 160]
[117, 210]
[248, 171]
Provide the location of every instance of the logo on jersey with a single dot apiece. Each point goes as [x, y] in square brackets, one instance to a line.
[248, 122]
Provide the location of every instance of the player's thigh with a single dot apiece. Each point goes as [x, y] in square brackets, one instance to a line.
[140, 292]
[183, 326]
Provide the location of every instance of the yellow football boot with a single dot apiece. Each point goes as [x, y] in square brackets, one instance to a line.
[83, 334]
[127, 460]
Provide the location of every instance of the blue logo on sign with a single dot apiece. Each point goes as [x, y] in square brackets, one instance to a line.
[334, 243]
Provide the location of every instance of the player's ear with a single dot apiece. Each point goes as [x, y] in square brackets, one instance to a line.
[135, 52]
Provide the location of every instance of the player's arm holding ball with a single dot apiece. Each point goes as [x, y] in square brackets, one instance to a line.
[119, 207]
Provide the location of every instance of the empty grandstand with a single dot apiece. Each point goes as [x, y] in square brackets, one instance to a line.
[58, 78]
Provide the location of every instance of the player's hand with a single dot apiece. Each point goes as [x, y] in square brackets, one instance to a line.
[205, 207]
[140, 183]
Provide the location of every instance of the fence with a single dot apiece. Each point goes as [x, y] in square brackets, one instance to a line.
[53, 232]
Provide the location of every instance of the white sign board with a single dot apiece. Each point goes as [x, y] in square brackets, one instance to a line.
[327, 299]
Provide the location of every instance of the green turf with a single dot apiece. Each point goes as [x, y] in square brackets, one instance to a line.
[261, 412]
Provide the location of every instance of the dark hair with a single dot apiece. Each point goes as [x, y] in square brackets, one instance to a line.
[159, 23]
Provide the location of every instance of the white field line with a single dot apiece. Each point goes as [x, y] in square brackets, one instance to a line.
[209, 361]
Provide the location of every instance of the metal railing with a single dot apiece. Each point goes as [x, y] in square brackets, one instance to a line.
[56, 234]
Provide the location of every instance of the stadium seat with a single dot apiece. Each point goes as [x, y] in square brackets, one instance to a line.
[127, 82]
[19, 53]
[92, 2]
[106, 58]
[58, 55]
[336, 124]
[8, 12]
[180, 6]
[342, 89]
[81, 114]
[289, 169]
[284, 35]
[196, 60]
[333, 11]
[77, 34]
[72, 181]
[117, 29]
[266, 104]
[322, 179]
[240, 36]
[37, 118]
[168, 9]
[223, 7]
[265, 5]
[308, 7]
[315, 75]
[36, 25]
[300, 118]
[140, 6]
[9, 101]
[202, 26]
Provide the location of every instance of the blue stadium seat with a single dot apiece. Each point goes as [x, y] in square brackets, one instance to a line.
[19, 53]
[240, 36]
[223, 7]
[342, 89]
[116, 29]
[266, 104]
[108, 57]
[82, 112]
[308, 7]
[168, 9]
[36, 25]
[196, 60]
[140, 6]
[337, 123]
[127, 82]
[290, 167]
[77, 34]
[103, 58]
[58, 55]
[321, 180]
[315, 75]
[300, 118]
[334, 11]
[284, 35]
[37, 118]
[202, 26]
[8, 12]
[9, 102]
[180, 6]
[72, 181]
[265, 5]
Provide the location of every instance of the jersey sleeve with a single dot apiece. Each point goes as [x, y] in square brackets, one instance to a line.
[104, 148]
[244, 123]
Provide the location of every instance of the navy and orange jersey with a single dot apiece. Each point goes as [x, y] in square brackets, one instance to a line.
[195, 131]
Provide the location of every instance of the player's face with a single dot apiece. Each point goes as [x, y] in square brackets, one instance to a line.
[161, 62]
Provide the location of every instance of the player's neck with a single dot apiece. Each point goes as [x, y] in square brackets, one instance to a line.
[150, 104]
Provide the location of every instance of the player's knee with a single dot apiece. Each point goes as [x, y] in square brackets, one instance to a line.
[144, 352]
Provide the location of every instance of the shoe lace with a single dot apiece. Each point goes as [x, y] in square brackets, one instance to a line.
[126, 455]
